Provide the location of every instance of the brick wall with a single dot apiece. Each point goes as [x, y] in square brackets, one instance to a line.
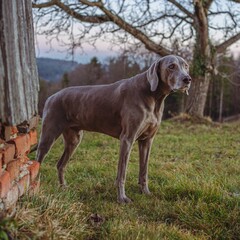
[18, 174]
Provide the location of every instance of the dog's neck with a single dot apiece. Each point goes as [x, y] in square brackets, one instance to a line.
[159, 96]
[162, 91]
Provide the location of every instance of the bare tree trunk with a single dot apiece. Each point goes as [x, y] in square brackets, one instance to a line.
[201, 62]
[198, 96]
[221, 102]
[210, 99]
[201, 78]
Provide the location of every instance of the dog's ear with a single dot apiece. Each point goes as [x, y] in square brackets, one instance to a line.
[152, 75]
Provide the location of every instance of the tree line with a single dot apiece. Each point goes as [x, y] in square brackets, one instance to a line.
[223, 95]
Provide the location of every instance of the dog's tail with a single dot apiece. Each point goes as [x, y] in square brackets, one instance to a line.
[34, 148]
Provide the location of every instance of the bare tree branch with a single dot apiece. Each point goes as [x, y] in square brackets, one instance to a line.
[142, 26]
[44, 5]
[71, 12]
[182, 8]
[208, 3]
[223, 46]
[150, 45]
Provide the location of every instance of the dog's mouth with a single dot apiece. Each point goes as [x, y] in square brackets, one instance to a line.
[183, 90]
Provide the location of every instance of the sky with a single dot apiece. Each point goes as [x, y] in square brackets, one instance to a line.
[101, 51]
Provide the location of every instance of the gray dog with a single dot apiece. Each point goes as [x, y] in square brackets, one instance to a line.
[129, 110]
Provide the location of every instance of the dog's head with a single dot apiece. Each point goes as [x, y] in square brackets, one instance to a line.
[173, 71]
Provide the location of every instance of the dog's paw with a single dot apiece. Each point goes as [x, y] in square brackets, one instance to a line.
[145, 190]
[63, 186]
[123, 200]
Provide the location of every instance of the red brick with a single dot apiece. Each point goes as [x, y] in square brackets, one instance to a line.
[22, 144]
[5, 184]
[8, 152]
[34, 188]
[33, 137]
[13, 168]
[23, 159]
[2, 142]
[1, 162]
[10, 132]
[33, 169]
[12, 196]
[23, 184]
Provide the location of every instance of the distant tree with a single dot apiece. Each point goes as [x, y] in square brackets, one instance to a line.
[46, 90]
[65, 80]
[121, 67]
[114, 69]
[43, 94]
[86, 74]
[95, 70]
[78, 75]
[192, 24]
[235, 87]
[224, 92]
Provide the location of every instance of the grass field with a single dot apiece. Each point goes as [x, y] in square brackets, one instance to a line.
[194, 177]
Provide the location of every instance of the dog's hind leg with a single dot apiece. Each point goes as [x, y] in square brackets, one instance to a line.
[72, 138]
[49, 134]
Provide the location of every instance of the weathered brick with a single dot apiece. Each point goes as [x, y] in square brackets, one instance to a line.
[10, 132]
[34, 188]
[33, 122]
[33, 137]
[13, 168]
[5, 184]
[22, 144]
[23, 184]
[1, 162]
[2, 142]
[33, 169]
[8, 152]
[23, 159]
[12, 197]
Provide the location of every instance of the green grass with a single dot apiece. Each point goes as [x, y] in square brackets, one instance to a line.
[194, 177]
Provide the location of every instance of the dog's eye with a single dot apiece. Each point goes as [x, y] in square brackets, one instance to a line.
[186, 66]
[172, 66]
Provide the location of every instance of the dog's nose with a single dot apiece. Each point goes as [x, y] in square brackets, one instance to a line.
[187, 80]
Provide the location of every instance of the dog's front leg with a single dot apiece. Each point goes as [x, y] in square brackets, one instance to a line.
[144, 152]
[125, 148]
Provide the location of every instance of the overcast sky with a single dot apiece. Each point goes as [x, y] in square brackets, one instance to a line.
[102, 50]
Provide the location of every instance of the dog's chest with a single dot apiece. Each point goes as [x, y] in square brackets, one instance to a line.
[148, 127]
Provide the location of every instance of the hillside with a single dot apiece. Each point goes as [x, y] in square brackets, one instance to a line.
[52, 69]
